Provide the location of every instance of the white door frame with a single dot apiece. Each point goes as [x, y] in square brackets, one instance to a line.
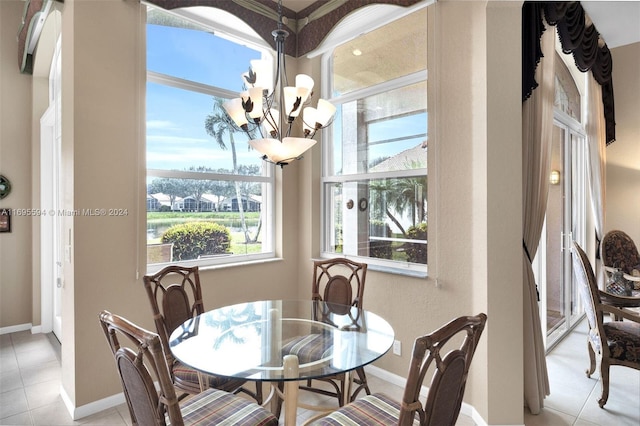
[51, 252]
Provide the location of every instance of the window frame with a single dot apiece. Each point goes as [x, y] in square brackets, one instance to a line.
[267, 180]
[366, 20]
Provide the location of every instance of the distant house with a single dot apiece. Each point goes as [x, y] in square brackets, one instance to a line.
[251, 203]
[206, 203]
[153, 205]
[156, 201]
[415, 157]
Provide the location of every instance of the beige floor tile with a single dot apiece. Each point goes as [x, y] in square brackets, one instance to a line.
[52, 414]
[10, 380]
[22, 419]
[41, 373]
[12, 402]
[109, 417]
[8, 361]
[41, 394]
[548, 417]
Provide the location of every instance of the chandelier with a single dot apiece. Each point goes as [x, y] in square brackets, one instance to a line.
[273, 113]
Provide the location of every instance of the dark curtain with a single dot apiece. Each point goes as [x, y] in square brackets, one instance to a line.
[583, 41]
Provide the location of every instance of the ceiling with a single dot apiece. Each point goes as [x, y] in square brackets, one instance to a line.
[618, 22]
[297, 5]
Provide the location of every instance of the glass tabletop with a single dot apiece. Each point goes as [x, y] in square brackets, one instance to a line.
[250, 340]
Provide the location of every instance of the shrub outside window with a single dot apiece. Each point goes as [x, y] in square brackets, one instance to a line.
[209, 195]
[374, 181]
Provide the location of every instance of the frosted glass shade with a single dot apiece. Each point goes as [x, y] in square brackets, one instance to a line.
[282, 152]
[235, 111]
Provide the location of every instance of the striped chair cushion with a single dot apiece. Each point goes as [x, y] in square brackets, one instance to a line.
[214, 407]
[309, 348]
[372, 410]
[187, 377]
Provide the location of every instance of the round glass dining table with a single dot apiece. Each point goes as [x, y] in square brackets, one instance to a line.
[282, 341]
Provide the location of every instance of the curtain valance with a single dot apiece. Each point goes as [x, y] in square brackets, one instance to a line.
[579, 37]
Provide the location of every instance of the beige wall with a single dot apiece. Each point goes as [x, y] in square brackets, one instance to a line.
[15, 164]
[623, 156]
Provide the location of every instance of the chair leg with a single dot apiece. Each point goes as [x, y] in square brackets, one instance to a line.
[361, 381]
[604, 376]
[592, 360]
[259, 392]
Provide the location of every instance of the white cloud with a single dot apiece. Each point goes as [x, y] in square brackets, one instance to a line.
[161, 124]
[176, 140]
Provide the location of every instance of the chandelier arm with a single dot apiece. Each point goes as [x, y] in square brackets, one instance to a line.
[268, 117]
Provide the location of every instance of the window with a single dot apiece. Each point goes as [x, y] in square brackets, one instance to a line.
[209, 196]
[567, 96]
[374, 181]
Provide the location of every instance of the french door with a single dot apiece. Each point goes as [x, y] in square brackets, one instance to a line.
[565, 221]
[51, 224]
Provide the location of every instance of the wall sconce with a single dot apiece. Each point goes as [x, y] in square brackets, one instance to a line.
[554, 177]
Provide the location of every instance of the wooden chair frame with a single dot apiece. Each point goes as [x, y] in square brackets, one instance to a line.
[175, 295]
[141, 368]
[149, 389]
[339, 281]
[595, 309]
[447, 387]
[448, 352]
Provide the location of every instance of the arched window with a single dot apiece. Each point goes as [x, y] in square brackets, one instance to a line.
[199, 166]
[567, 96]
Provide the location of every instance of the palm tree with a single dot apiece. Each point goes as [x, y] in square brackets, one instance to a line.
[399, 195]
[218, 125]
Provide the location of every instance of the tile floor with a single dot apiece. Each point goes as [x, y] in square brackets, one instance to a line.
[30, 383]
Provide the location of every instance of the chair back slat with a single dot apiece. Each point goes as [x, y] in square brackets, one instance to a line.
[449, 378]
[339, 281]
[176, 308]
[175, 296]
[139, 388]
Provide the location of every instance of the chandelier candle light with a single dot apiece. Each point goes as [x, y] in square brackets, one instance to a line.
[274, 118]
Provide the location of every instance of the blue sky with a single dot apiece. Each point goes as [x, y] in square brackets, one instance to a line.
[176, 137]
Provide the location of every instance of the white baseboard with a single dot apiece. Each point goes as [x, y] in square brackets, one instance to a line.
[16, 328]
[91, 408]
[466, 409]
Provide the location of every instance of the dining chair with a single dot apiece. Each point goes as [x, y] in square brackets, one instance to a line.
[176, 296]
[619, 253]
[141, 364]
[338, 282]
[612, 342]
[444, 397]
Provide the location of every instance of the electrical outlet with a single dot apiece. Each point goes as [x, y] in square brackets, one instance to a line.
[397, 347]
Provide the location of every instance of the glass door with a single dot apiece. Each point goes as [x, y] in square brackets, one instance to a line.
[564, 222]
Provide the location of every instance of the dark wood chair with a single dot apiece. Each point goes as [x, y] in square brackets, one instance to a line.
[609, 343]
[141, 363]
[176, 296]
[338, 282]
[446, 390]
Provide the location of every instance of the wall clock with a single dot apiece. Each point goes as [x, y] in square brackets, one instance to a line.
[5, 187]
